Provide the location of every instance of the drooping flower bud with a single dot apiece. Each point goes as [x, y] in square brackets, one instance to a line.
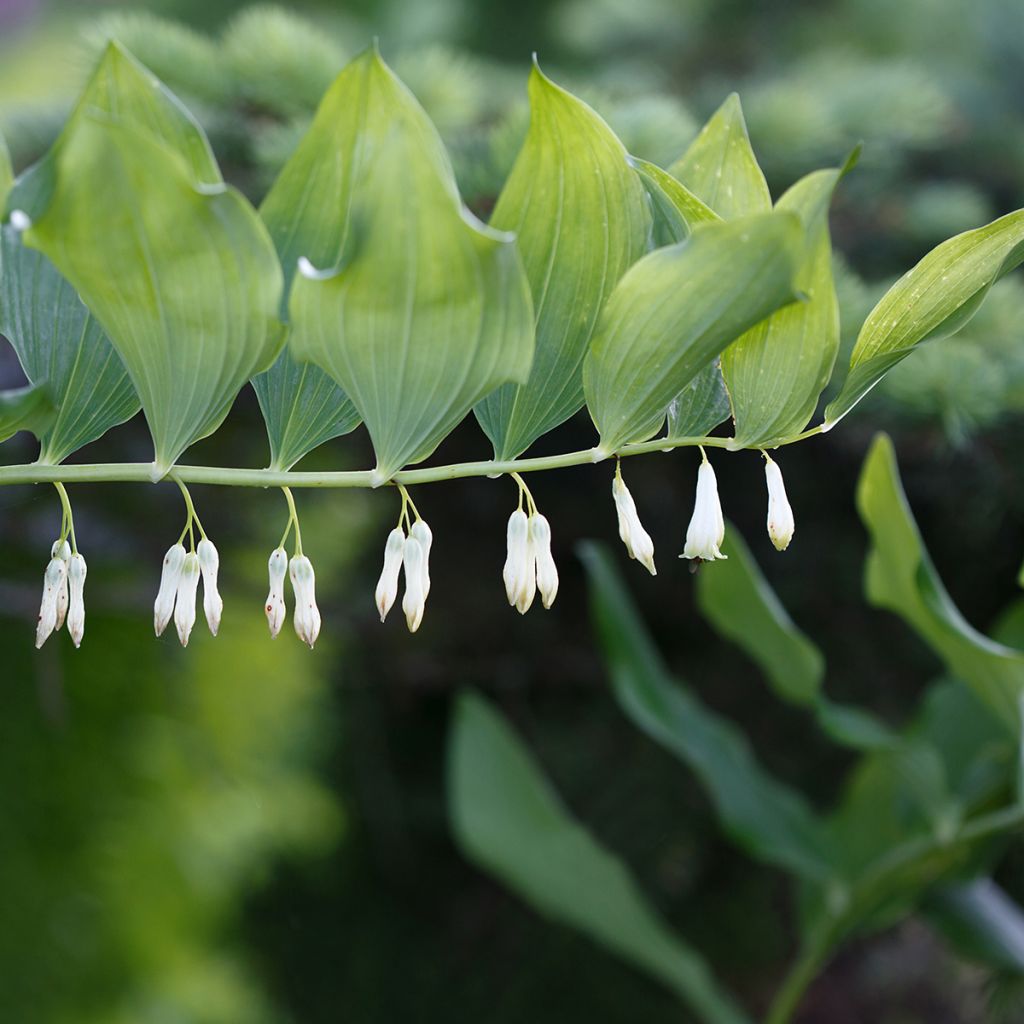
[76, 607]
[209, 565]
[637, 540]
[546, 571]
[185, 600]
[307, 616]
[387, 585]
[163, 607]
[781, 525]
[54, 579]
[527, 577]
[707, 526]
[61, 549]
[413, 600]
[275, 606]
[515, 570]
[421, 532]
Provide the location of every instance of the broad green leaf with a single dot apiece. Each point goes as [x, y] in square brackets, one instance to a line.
[901, 577]
[700, 406]
[580, 218]
[424, 311]
[775, 372]
[62, 350]
[28, 408]
[678, 211]
[720, 166]
[174, 264]
[509, 821]
[933, 300]
[981, 922]
[772, 821]
[675, 310]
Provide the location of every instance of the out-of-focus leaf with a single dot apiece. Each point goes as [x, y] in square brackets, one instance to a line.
[770, 820]
[174, 264]
[580, 218]
[700, 406]
[854, 727]
[678, 308]
[6, 172]
[62, 350]
[720, 166]
[776, 371]
[981, 922]
[508, 820]
[425, 311]
[932, 300]
[28, 408]
[901, 578]
[677, 209]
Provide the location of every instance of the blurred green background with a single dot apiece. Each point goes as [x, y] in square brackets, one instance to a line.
[247, 832]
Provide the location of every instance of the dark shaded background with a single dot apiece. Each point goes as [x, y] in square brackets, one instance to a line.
[249, 832]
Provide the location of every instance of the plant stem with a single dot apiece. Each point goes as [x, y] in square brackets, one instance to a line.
[67, 519]
[293, 518]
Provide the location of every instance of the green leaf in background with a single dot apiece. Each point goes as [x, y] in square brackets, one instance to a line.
[507, 819]
[675, 310]
[425, 310]
[28, 408]
[775, 372]
[581, 220]
[981, 922]
[700, 406]
[901, 578]
[720, 166]
[174, 264]
[6, 172]
[62, 350]
[770, 820]
[932, 300]
[678, 211]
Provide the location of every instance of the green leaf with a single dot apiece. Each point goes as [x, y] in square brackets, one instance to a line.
[900, 576]
[675, 310]
[700, 406]
[766, 817]
[981, 922]
[933, 300]
[580, 218]
[508, 820]
[720, 166]
[424, 311]
[6, 172]
[62, 350]
[174, 264]
[775, 372]
[678, 211]
[28, 408]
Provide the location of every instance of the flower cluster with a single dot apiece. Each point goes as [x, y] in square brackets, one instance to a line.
[407, 553]
[529, 565]
[63, 594]
[179, 585]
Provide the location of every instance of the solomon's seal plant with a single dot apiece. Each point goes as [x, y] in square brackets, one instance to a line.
[665, 300]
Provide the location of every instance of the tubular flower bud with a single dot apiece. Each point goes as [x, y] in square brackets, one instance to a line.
[387, 585]
[414, 600]
[275, 606]
[781, 525]
[707, 526]
[76, 608]
[515, 562]
[163, 607]
[54, 579]
[209, 565]
[61, 549]
[185, 600]
[637, 540]
[421, 532]
[307, 616]
[547, 572]
[528, 577]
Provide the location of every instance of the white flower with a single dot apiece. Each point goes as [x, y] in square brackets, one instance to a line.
[307, 616]
[163, 607]
[275, 606]
[546, 571]
[185, 599]
[637, 540]
[54, 579]
[781, 525]
[528, 576]
[387, 585]
[209, 565]
[421, 532]
[414, 599]
[76, 609]
[61, 549]
[516, 568]
[706, 531]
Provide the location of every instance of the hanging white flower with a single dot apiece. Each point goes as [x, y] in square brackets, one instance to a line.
[185, 599]
[516, 567]
[387, 585]
[275, 608]
[546, 571]
[307, 616]
[781, 525]
[76, 609]
[54, 580]
[637, 540]
[421, 532]
[414, 599]
[163, 607]
[61, 549]
[209, 565]
[527, 576]
[706, 531]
